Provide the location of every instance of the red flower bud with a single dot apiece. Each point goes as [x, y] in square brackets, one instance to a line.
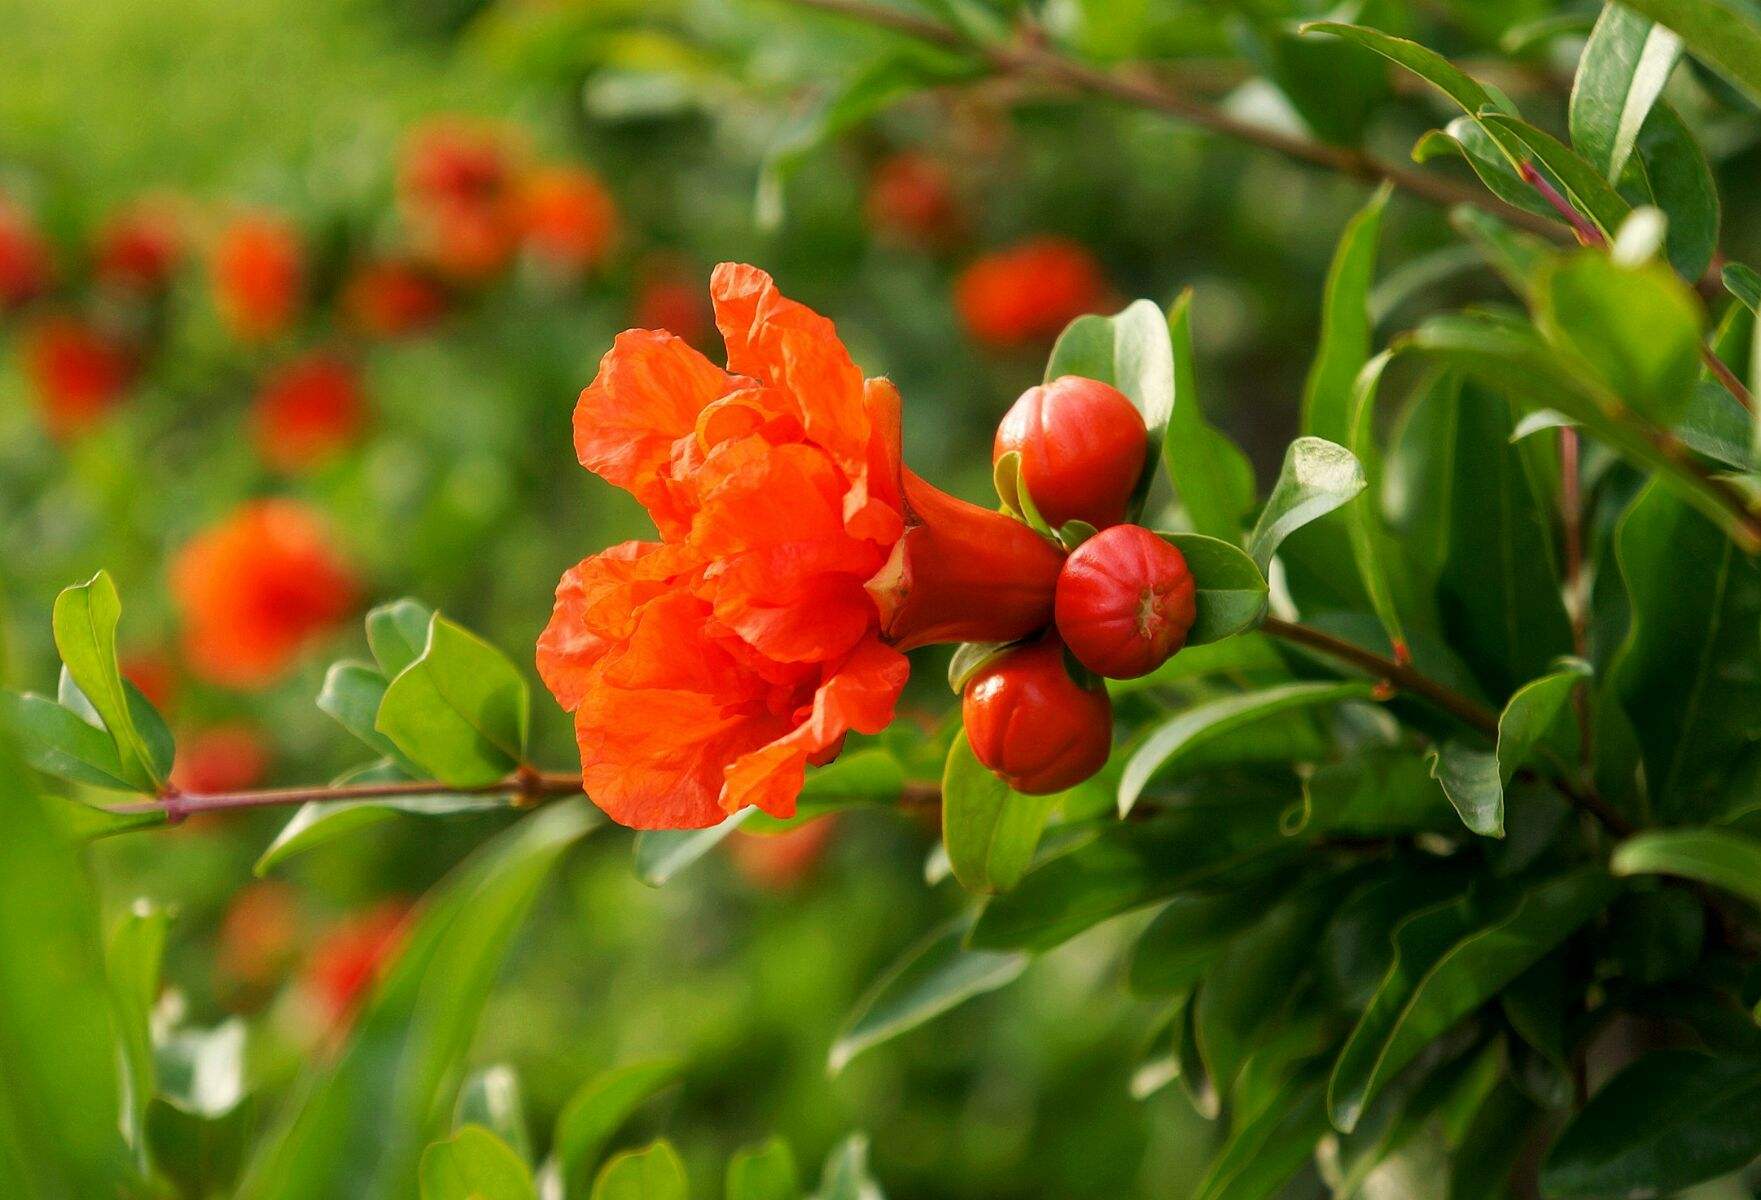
[962, 573]
[1028, 292]
[1125, 602]
[1033, 725]
[1082, 446]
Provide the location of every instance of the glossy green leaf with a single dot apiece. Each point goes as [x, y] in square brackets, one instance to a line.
[654, 1173]
[362, 1123]
[763, 1172]
[396, 634]
[474, 1164]
[846, 1174]
[1345, 326]
[1537, 727]
[1469, 777]
[1188, 731]
[1722, 858]
[491, 1098]
[1724, 33]
[989, 829]
[1132, 351]
[1717, 426]
[969, 658]
[1466, 137]
[1518, 257]
[1620, 75]
[1673, 1119]
[934, 976]
[460, 710]
[1175, 949]
[1318, 476]
[351, 694]
[1680, 675]
[1672, 170]
[1126, 867]
[1334, 87]
[85, 619]
[61, 1098]
[1427, 64]
[1374, 550]
[1017, 500]
[133, 956]
[57, 742]
[1589, 193]
[1264, 1151]
[594, 1113]
[1446, 965]
[1229, 589]
[1248, 659]
[660, 854]
[1744, 282]
[1211, 475]
[1638, 327]
[1372, 793]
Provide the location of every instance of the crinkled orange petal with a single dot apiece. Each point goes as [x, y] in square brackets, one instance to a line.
[860, 697]
[596, 604]
[649, 390]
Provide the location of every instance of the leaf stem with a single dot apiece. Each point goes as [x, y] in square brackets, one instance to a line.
[524, 787]
[1034, 59]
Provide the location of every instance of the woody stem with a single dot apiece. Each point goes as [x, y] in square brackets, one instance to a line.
[523, 786]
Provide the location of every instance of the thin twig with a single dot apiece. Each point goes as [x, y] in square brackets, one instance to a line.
[522, 787]
[1144, 91]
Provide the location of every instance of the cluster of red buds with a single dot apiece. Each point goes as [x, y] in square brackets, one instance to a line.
[1037, 714]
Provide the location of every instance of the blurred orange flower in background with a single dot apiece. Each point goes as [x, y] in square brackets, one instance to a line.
[706, 670]
[259, 935]
[456, 186]
[911, 197]
[27, 266]
[668, 298]
[1029, 291]
[258, 273]
[140, 246]
[348, 957]
[392, 298]
[221, 758]
[76, 371]
[566, 217]
[307, 411]
[776, 861]
[255, 589]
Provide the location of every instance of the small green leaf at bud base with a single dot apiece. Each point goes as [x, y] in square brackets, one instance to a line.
[1034, 726]
[1125, 602]
[1082, 446]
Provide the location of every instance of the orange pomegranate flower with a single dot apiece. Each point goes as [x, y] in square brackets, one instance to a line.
[776, 862]
[349, 957]
[1028, 292]
[666, 298]
[139, 247]
[258, 273]
[27, 266]
[77, 372]
[221, 758]
[307, 411]
[259, 935]
[566, 217]
[255, 590]
[911, 198]
[456, 185]
[392, 298]
[706, 670]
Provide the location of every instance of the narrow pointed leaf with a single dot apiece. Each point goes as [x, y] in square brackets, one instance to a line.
[1318, 477]
[1722, 858]
[1211, 475]
[1620, 75]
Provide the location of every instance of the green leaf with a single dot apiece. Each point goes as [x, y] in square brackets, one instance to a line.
[1723, 32]
[1638, 327]
[1176, 949]
[84, 619]
[1469, 777]
[1345, 326]
[133, 957]
[1718, 426]
[61, 1101]
[1126, 867]
[969, 658]
[1620, 76]
[1264, 1151]
[936, 975]
[763, 1172]
[491, 1098]
[1744, 283]
[1132, 351]
[660, 854]
[474, 1164]
[1210, 474]
[846, 1174]
[1318, 476]
[460, 710]
[1672, 169]
[1335, 88]
[651, 1174]
[319, 821]
[1465, 136]
[990, 830]
[1518, 257]
[396, 633]
[1017, 501]
[366, 1116]
[1593, 196]
[1537, 727]
[1445, 966]
[1673, 1119]
[593, 1114]
[1425, 63]
[1722, 858]
[1373, 793]
[59, 743]
[1680, 676]
[1185, 732]
[1373, 548]
[351, 694]
[1229, 589]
